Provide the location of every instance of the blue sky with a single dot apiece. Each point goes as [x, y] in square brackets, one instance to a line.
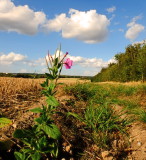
[91, 31]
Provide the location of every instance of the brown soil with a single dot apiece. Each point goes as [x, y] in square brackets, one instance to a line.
[137, 137]
[138, 141]
[73, 140]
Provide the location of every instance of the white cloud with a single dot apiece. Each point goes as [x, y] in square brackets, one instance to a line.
[20, 19]
[56, 24]
[89, 26]
[111, 10]
[7, 59]
[133, 21]
[133, 32]
[134, 28]
[112, 60]
[90, 62]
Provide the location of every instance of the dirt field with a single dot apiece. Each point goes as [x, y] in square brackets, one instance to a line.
[19, 95]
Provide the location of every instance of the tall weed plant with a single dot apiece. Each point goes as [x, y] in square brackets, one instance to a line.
[42, 140]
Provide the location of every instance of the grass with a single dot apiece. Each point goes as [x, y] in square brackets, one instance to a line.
[80, 91]
[141, 115]
[130, 97]
[14, 89]
[102, 123]
[99, 116]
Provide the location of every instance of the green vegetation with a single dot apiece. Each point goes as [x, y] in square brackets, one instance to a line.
[102, 123]
[101, 99]
[130, 66]
[99, 116]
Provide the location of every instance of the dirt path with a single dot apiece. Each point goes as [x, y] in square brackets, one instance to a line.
[137, 137]
[138, 141]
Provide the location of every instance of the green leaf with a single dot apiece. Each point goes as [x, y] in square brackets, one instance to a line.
[36, 110]
[4, 122]
[36, 156]
[56, 61]
[59, 65]
[21, 133]
[42, 142]
[52, 131]
[19, 156]
[74, 115]
[39, 120]
[45, 83]
[26, 150]
[55, 150]
[51, 100]
[49, 76]
[45, 93]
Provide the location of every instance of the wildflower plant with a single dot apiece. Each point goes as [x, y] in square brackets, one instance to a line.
[42, 140]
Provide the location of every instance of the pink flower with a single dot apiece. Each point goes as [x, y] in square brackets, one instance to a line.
[68, 63]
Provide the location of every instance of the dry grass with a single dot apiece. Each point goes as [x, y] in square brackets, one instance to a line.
[14, 90]
[72, 80]
[126, 83]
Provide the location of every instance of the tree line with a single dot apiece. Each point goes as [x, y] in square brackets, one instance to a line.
[37, 75]
[129, 66]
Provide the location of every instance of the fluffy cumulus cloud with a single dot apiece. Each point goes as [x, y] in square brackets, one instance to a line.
[91, 62]
[20, 19]
[111, 9]
[88, 26]
[134, 29]
[7, 59]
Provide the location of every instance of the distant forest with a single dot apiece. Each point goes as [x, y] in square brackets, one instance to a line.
[130, 66]
[35, 76]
